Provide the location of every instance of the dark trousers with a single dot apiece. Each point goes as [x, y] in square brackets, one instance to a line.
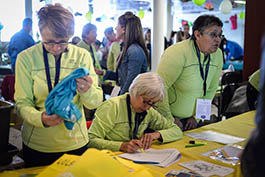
[33, 158]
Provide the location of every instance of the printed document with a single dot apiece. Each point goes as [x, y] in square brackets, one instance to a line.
[164, 157]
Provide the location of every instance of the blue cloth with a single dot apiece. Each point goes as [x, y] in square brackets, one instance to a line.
[19, 42]
[238, 65]
[134, 63]
[59, 101]
[233, 49]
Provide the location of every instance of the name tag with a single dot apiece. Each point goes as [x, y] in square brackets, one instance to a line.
[203, 109]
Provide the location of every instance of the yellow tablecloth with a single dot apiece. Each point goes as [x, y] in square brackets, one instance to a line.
[239, 126]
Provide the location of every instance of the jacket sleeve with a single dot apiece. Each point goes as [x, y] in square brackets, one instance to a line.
[101, 126]
[168, 129]
[94, 96]
[169, 69]
[24, 92]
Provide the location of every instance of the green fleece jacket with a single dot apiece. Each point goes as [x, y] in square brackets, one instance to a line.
[254, 79]
[31, 91]
[113, 55]
[179, 68]
[111, 128]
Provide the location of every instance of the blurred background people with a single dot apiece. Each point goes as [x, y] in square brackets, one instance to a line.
[75, 40]
[134, 58]
[253, 90]
[180, 36]
[20, 41]
[186, 29]
[38, 70]
[233, 51]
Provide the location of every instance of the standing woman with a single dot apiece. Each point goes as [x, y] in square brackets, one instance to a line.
[38, 70]
[133, 58]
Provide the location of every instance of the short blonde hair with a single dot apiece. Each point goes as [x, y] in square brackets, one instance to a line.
[149, 85]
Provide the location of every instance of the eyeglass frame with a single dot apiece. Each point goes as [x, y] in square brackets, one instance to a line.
[150, 104]
[214, 35]
[52, 44]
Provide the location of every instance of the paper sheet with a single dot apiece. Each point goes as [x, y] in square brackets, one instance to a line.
[207, 169]
[165, 157]
[216, 137]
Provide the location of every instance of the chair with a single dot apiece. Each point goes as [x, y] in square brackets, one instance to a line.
[229, 83]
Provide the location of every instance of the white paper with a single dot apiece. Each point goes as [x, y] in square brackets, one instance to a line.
[115, 91]
[207, 169]
[216, 137]
[165, 157]
[203, 109]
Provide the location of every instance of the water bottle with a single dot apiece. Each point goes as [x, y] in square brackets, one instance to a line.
[231, 67]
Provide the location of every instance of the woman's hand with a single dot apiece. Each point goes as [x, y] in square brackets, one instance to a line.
[51, 120]
[191, 123]
[178, 123]
[84, 83]
[99, 72]
[148, 138]
[131, 146]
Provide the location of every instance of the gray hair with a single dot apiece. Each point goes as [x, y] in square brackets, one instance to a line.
[149, 85]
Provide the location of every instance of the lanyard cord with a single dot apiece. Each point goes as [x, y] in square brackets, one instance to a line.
[139, 117]
[204, 77]
[47, 69]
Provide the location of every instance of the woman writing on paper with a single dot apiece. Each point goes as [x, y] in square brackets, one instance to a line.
[120, 122]
[38, 69]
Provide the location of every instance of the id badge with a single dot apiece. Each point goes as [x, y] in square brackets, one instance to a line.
[203, 109]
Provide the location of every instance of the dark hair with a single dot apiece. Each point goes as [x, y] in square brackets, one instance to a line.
[108, 30]
[98, 43]
[27, 22]
[179, 35]
[133, 33]
[205, 21]
[59, 20]
[87, 28]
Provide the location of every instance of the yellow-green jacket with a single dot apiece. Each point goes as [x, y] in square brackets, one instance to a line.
[112, 56]
[179, 68]
[31, 91]
[111, 128]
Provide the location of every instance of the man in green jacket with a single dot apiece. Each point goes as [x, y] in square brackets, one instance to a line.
[120, 123]
[191, 71]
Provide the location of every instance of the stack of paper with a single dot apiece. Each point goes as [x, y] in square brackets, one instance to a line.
[216, 137]
[161, 157]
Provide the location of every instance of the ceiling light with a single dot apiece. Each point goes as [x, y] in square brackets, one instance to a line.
[240, 2]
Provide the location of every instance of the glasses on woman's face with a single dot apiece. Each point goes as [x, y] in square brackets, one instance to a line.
[53, 43]
[149, 103]
[214, 35]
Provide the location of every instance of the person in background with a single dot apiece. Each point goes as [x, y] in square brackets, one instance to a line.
[113, 54]
[89, 36]
[191, 71]
[186, 29]
[111, 37]
[120, 122]
[171, 39]
[99, 53]
[75, 40]
[38, 70]
[20, 41]
[134, 58]
[233, 50]
[180, 36]
[253, 90]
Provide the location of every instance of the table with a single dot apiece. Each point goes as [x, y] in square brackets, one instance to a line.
[240, 126]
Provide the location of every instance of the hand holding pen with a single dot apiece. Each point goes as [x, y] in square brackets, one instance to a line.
[131, 146]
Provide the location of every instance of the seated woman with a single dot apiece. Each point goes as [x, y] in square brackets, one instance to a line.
[120, 122]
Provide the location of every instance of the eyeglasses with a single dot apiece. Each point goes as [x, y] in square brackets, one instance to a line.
[150, 104]
[214, 35]
[52, 44]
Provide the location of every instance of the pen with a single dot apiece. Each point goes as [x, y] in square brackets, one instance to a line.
[145, 162]
[194, 145]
